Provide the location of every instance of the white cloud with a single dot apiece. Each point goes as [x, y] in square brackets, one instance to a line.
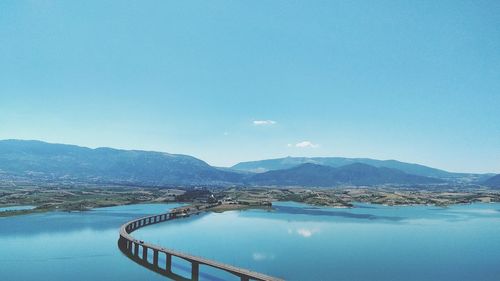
[226, 133]
[305, 144]
[264, 122]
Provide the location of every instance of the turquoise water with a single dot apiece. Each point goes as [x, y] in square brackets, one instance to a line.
[16, 208]
[62, 246]
[295, 242]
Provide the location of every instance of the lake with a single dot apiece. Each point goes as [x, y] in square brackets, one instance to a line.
[295, 242]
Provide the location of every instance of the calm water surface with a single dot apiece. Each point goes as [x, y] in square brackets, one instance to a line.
[295, 242]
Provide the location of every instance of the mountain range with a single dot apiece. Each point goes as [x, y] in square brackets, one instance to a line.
[289, 162]
[38, 160]
[352, 174]
[493, 182]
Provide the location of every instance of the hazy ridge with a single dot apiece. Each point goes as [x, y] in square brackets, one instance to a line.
[41, 160]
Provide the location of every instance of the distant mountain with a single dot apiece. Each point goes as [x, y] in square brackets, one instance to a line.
[41, 161]
[326, 176]
[38, 159]
[289, 162]
[493, 182]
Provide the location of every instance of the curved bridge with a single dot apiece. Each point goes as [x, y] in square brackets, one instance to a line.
[138, 251]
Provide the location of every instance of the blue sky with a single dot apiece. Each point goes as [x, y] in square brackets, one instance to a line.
[417, 81]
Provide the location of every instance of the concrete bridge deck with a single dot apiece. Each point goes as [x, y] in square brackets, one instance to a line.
[131, 248]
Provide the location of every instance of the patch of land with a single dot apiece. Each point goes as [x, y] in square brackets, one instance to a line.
[86, 197]
[80, 198]
[345, 197]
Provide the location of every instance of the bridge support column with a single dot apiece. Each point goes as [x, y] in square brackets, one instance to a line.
[145, 253]
[168, 266]
[136, 249]
[195, 271]
[155, 258]
[245, 278]
[122, 242]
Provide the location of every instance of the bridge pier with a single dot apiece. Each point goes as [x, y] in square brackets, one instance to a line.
[145, 253]
[244, 278]
[195, 271]
[136, 249]
[168, 266]
[123, 244]
[155, 258]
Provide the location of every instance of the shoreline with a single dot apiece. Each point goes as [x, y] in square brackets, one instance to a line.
[85, 198]
[226, 208]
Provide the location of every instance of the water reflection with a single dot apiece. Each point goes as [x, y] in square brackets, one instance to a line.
[102, 219]
[306, 233]
[263, 256]
[16, 208]
[332, 212]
